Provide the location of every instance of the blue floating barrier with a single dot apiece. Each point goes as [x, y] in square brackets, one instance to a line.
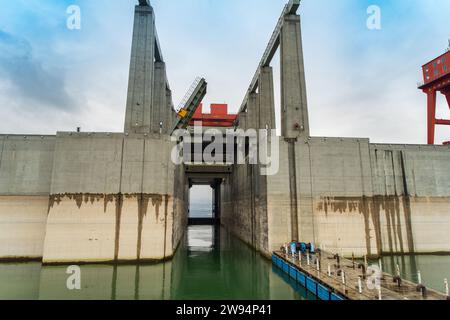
[323, 293]
[335, 297]
[285, 267]
[301, 278]
[293, 272]
[280, 263]
[311, 285]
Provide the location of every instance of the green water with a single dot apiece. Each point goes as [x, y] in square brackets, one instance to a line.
[210, 264]
[433, 268]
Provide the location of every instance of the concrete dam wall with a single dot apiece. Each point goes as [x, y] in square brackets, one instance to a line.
[118, 197]
[26, 164]
[351, 197]
[90, 197]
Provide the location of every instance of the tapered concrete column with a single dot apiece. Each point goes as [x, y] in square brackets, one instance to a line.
[160, 111]
[140, 83]
[243, 120]
[253, 111]
[294, 108]
[266, 99]
[171, 116]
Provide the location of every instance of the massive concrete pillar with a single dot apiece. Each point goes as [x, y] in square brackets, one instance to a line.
[294, 109]
[140, 83]
[160, 111]
[171, 115]
[243, 118]
[266, 99]
[252, 111]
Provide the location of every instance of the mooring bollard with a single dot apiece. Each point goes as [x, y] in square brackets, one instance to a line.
[446, 288]
[398, 279]
[353, 260]
[359, 285]
[420, 287]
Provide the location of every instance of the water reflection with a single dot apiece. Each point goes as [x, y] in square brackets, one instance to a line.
[216, 266]
[433, 268]
[210, 264]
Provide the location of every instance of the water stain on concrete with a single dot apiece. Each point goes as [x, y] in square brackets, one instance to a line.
[143, 201]
[166, 207]
[371, 209]
[119, 206]
[407, 204]
[107, 199]
[53, 199]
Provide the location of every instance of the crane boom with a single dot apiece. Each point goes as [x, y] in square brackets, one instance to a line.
[190, 103]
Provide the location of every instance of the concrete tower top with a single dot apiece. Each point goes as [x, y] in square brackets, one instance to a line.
[145, 3]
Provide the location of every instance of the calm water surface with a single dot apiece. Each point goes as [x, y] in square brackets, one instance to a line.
[433, 268]
[210, 264]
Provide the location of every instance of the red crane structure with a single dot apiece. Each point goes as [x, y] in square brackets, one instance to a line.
[436, 76]
[219, 116]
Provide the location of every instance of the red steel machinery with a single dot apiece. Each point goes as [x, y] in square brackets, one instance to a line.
[436, 75]
[219, 116]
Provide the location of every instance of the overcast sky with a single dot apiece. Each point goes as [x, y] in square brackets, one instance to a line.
[361, 83]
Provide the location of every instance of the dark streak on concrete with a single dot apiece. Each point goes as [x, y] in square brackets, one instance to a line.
[107, 199]
[293, 189]
[20, 259]
[156, 202]
[407, 206]
[166, 206]
[119, 206]
[143, 201]
[375, 213]
[371, 207]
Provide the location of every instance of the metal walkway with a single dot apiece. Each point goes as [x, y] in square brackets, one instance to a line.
[190, 103]
[345, 278]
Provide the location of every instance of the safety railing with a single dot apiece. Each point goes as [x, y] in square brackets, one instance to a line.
[188, 94]
[352, 279]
